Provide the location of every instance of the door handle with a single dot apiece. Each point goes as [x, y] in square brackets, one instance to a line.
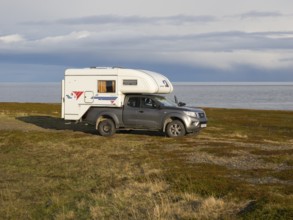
[141, 111]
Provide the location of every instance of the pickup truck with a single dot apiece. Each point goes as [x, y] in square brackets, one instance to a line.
[148, 112]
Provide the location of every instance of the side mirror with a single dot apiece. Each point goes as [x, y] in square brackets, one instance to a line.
[181, 104]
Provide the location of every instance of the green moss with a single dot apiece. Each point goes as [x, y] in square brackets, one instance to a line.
[257, 125]
[261, 210]
[273, 152]
[283, 156]
[15, 109]
[286, 175]
[225, 151]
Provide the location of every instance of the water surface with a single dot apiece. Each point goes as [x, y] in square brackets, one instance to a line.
[272, 96]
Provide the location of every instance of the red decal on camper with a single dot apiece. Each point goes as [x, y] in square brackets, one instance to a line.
[77, 94]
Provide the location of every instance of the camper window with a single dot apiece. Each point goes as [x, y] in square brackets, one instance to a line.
[106, 86]
[130, 82]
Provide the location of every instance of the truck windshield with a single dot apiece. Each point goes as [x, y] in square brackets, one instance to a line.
[164, 101]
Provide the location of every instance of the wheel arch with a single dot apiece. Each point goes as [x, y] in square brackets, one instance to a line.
[169, 119]
[102, 117]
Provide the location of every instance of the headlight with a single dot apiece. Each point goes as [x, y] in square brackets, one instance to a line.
[191, 114]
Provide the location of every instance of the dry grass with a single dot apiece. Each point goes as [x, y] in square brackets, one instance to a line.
[240, 167]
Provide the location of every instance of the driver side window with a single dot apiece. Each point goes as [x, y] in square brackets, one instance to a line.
[148, 103]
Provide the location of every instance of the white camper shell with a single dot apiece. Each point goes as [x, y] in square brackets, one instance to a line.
[105, 87]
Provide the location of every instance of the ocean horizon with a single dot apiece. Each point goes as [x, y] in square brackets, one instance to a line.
[234, 83]
[243, 95]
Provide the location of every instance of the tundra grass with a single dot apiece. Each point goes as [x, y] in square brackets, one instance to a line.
[240, 167]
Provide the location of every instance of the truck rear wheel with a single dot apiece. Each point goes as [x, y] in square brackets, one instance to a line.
[106, 127]
[175, 129]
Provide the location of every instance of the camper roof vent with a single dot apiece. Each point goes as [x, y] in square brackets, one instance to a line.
[102, 67]
[99, 67]
[118, 67]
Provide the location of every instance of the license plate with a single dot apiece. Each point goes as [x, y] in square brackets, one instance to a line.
[203, 125]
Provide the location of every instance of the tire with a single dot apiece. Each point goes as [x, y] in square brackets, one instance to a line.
[175, 129]
[106, 128]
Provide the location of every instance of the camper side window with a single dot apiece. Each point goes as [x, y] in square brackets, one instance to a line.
[129, 82]
[106, 86]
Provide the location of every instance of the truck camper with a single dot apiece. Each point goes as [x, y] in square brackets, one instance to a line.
[106, 87]
[115, 98]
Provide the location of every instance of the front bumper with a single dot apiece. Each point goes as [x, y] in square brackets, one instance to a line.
[195, 124]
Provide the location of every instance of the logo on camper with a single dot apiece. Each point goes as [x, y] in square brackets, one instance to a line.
[75, 95]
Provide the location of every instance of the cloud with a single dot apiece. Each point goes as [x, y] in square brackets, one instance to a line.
[260, 14]
[141, 41]
[127, 20]
[214, 50]
[238, 40]
[73, 36]
[14, 38]
[185, 35]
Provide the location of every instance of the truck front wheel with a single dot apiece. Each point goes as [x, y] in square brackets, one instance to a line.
[106, 127]
[175, 129]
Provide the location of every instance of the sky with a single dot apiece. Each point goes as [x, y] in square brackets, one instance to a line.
[186, 40]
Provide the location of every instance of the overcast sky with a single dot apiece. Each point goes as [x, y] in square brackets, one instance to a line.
[186, 40]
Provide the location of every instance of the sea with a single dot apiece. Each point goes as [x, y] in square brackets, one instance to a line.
[257, 95]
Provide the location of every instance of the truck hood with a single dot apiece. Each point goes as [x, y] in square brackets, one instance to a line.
[185, 108]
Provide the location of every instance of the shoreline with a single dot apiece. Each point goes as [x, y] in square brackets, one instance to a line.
[179, 83]
[266, 97]
[203, 107]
